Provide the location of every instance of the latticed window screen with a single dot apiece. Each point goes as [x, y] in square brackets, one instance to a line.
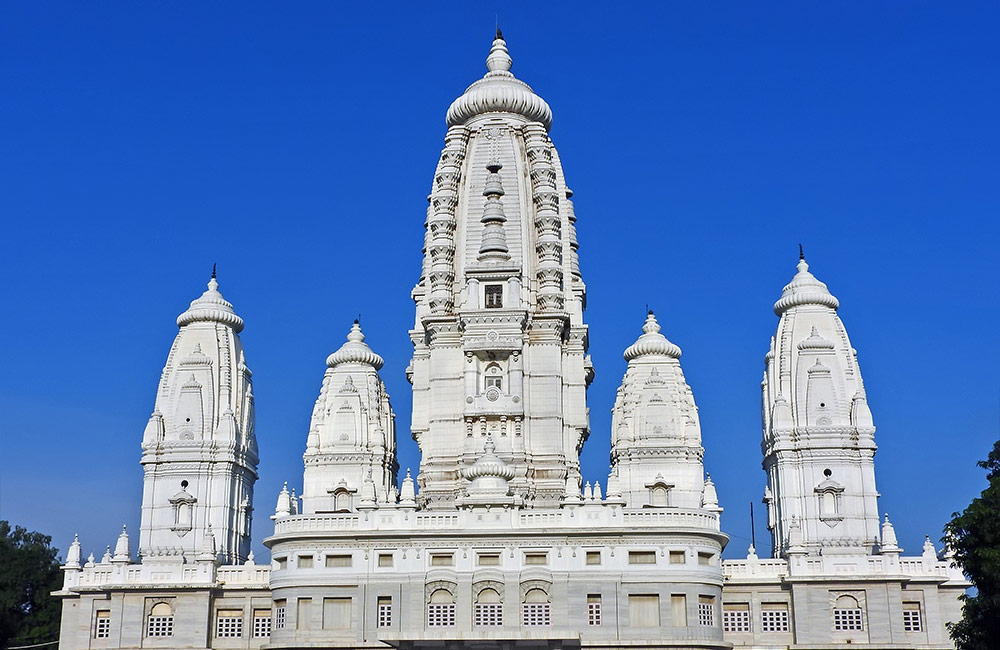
[774, 617]
[593, 609]
[735, 617]
[102, 624]
[384, 611]
[279, 616]
[911, 618]
[261, 623]
[706, 610]
[229, 624]
[494, 296]
[160, 621]
[536, 614]
[488, 614]
[440, 614]
[157, 626]
[847, 618]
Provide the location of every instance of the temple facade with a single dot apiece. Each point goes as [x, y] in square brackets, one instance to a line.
[497, 541]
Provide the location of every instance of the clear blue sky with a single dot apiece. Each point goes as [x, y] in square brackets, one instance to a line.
[294, 143]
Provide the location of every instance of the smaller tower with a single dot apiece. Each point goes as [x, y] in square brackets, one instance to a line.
[350, 453]
[199, 452]
[818, 441]
[656, 451]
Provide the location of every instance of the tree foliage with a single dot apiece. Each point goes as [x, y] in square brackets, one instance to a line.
[29, 573]
[974, 536]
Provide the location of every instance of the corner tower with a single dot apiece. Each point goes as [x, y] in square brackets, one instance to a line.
[818, 443]
[199, 453]
[656, 451]
[500, 347]
[350, 458]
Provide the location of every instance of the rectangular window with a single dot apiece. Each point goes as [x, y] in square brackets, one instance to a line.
[281, 563]
[102, 624]
[229, 623]
[774, 617]
[706, 611]
[705, 558]
[535, 614]
[593, 609]
[488, 614]
[644, 610]
[679, 610]
[337, 613]
[261, 623]
[159, 626]
[440, 614]
[678, 557]
[735, 617]
[385, 611]
[442, 559]
[279, 614]
[593, 557]
[494, 296]
[333, 561]
[488, 559]
[536, 558]
[303, 614]
[642, 557]
[911, 618]
[385, 559]
[847, 619]
[305, 561]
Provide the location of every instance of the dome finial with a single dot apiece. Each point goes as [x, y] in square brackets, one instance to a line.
[499, 36]
[802, 255]
[213, 270]
[499, 60]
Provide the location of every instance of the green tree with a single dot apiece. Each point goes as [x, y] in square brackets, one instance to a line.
[974, 536]
[29, 573]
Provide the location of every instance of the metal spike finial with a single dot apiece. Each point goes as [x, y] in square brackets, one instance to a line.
[802, 255]
[213, 270]
[499, 34]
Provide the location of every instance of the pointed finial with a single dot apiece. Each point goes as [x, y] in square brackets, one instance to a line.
[499, 34]
[802, 254]
[213, 271]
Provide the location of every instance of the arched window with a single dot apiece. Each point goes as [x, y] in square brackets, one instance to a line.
[658, 496]
[494, 377]
[847, 614]
[160, 621]
[441, 609]
[488, 609]
[342, 501]
[536, 608]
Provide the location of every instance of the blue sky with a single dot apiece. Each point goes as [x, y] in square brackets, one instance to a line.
[294, 143]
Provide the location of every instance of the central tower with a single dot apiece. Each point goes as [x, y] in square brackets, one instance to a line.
[500, 347]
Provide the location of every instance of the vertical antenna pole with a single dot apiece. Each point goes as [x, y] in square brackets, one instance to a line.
[753, 537]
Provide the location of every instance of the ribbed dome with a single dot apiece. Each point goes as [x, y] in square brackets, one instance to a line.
[489, 465]
[652, 342]
[815, 342]
[211, 307]
[804, 289]
[355, 351]
[499, 92]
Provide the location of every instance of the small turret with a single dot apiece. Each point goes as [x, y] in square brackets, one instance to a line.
[123, 555]
[284, 506]
[73, 554]
[889, 544]
[408, 495]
